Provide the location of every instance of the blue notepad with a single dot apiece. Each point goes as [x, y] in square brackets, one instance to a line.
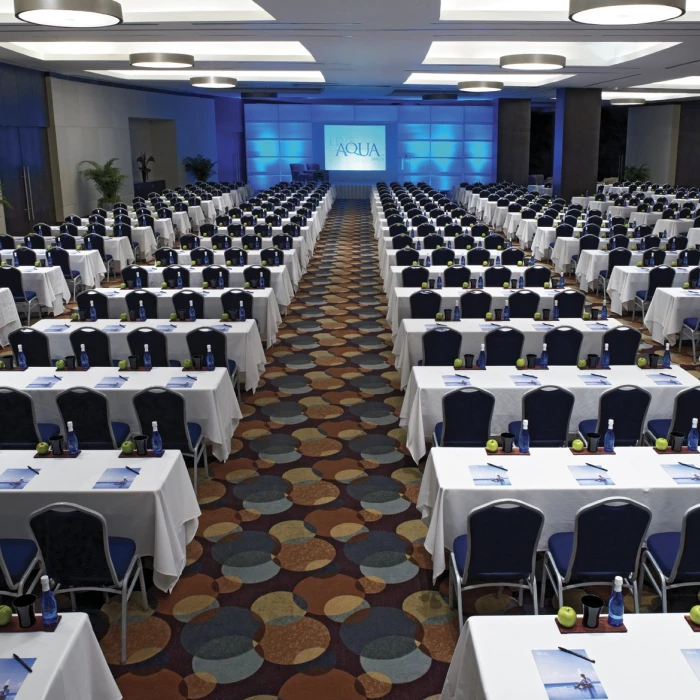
[567, 677]
[543, 327]
[223, 327]
[664, 379]
[682, 475]
[166, 329]
[485, 475]
[43, 383]
[13, 675]
[181, 383]
[116, 478]
[455, 380]
[488, 327]
[15, 480]
[522, 380]
[590, 476]
[692, 656]
[57, 328]
[595, 326]
[113, 329]
[591, 380]
[111, 382]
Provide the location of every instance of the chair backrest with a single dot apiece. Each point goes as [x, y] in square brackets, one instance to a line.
[537, 275]
[474, 303]
[131, 272]
[231, 302]
[89, 412]
[492, 241]
[627, 405]
[25, 256]
[168, 408]
[503, 346]
[73, 545]
[170, 274]
[503, 537]
[588, 242]
[221, 241]
[403, 240]
[619, 256]
[157, 345]
[181, 301]
[442, 256]
[512, 256]
[599, 556]
[96, 344]
[478, 256]
[199, 338]
[570, 303]
[456, 276]
[425, 303]
[414, 276]
[563, 345]
[548, 411]
[149, 299]
[252, 274]
[441, 346]
[99, 301]
[685, 408]
[623, 343]
[202, 256]
[268, 255]
[466, 417]
[212, 273]
[35, 346]
[523, 303]
[686, 566]
[19, 428]
[496, 276]
[661, 276]
[35, 241]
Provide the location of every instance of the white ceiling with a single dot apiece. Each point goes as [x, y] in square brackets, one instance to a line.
[366, 50]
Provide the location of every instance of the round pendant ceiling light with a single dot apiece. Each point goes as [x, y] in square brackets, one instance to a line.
[161, 60]
[619, 101]
[69, 13]
[214, 81]
[621, 12]
[480, 86]
[533, 61]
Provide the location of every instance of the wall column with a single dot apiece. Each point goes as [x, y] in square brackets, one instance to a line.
[688, 158]
[513, 141]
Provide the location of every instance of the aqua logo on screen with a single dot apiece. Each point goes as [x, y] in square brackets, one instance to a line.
[355, 147]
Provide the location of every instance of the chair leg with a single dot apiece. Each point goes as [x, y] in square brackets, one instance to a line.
[544, 582]
[520, 596]
[635, 597]
[142, 584]
[458, 593]
[72, 601]
[450, 590]
[664, 595]
[533, 592]
[125, 600]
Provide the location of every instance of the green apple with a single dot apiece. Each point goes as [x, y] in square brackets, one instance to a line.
[5, 615]
[439, 316]
[127, 447]
[537, 316]
[37, 264]
[159, 263]
[163, 285]
[520, 263]
[674, 263]
[488, 316]
[520, 363]
[193, 263]
[42, 448]
[60, 364]
[506, 285]
[205, 285]
[483, 235]
[408, 247]
[246, 285]
[581, 364]
[414, 263]
[566, 616]
[215, 247]
[123, 364]
[245, 247]
[449, 263]
[184, 247]
[499, 247]
[577, 445]
[547, 285]
[229, 263]
[424, 285]
[485, 263]
[639, 264]
[438, 246]
[263, 262]
[586, 315]
[661, 444]
[205, 234]
[122, 285]
[458, 363]
[469, 247]
[642, 362]
[225, 317]
[465, 285]
[187, 364]
[695, 614]
[75, 317]
[3, 264]
[2, 364]
[492, 446]
[686, 285]
[276, 246]
[173, 316]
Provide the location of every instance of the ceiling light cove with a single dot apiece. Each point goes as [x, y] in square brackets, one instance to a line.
[161, 60]
[620, 101]
[625, 12]
[242, 76]
[69, 13]
[479, 86]
[629, 97]
[533, 61]
[215, 82]
[690, 82]
[514, 79]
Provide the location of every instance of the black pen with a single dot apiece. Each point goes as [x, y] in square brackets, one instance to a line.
[57, 377]
[668, 376]
[575, 653]
[529, 376]
[549, 325]
[495, 466]
[194, 379]
[133, 470]
[600, 376]
[595, 466]
[36, 471]
[690, 466]
[16, 658]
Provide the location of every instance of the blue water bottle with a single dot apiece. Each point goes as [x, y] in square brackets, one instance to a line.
[532, 261]
[666, 359]
[139, 284]
[49, 608]
[241, 312]
[220, 281]
[142, 312]
[261, 283]
[456, 316]
[521, 282]
[428, 262]
[561, 281]
[171, 260]
[72, 438]
[89, 243]
[257, 242]
[438, 284]
[605, 360]
[211, 366]
[179, 279]
[15, 259]
[49, 259]
[277, 259]
[156, 439]
[481, 360]
[693, 436]
[616, 604]
[544, 357]
[147, 360]
[480, 283]
[93, 311]
[84, 360]
[449, 245]
[413, 233]
[462, 261]
[524, 440]
[604, 311]
[498, 260]
[418, 245]
[286, 243]
[506, 311]
[241, 259]
[673, 243]
[21, 358]
[192, 312]
[555, 311]
[609, 439]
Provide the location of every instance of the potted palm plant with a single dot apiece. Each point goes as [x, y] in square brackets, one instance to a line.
[107, 179]
[143, 162]
[3, 201]
[199, 166]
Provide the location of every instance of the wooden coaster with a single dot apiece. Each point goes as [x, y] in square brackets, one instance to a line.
[63, 455]
[14, 369]
[77, 369]
[595, 369]
[193, 369]
[603, 627]
[514, 453]
[134, 455]
[532, 369]
[38, 626]
[598, 453]
[669, 451]
[691, 624]
[139, 369]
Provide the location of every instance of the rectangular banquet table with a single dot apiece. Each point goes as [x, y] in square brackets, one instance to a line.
[390, 259]
[87, 262]
[644, 664]
[544, 235]
[265, 308]
[673, 227]
[211, 402]
[69, 662]
[48, 284]
[668, 308]
[159, 511]
[9, 318]
[303, 243]
[408, 347]
[144, 235]
[542, 479]
[422, 406]
[243, 343]
[118, 247]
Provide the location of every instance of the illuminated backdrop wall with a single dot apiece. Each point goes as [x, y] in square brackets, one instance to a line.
[440, 145]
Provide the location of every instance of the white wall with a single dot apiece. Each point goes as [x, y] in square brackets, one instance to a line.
[91, 122]
[652, 139]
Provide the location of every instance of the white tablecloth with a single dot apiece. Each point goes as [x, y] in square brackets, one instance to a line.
[211, 402]
[69, 662]
[87, 262]
[626, 281]
[118, 247]
[303, 243]
[242, 341]
[668, 308]
[673, 227]
[645, 218]
[422, 406]
[542, 479]
[9, 318]
[525, 231]
[265, 308]
[408, 347]
[159, 511]
[693, 237]
[646, 663]
[48, 283]
[143, 235]
[510, 225]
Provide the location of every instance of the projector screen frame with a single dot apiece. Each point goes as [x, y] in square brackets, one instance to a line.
[370, 138]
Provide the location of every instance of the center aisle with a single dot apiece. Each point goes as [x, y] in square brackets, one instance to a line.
[308, 578]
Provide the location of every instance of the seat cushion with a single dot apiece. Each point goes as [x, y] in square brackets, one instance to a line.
[438, 433]
[74, 274]
[692, 322]
[587, 426]
[603, 273]
[28, 295]
[195, 431]
[574, 258]
[459, 548]
[560, 546]
[232, 367]
[514, 428]
[47, 430]
[122, 551]
[108, 257]
[642, 294]
[660, 427]
[18, 555]
[663, 546]
[121, 432]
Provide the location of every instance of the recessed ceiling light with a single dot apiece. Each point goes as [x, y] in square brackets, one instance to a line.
[161, 60]
[533, 61]
[69, 13]
[214, 81]
[480, 86]
[619, 12]
[619, 101]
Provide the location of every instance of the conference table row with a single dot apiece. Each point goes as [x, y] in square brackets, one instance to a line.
[209, 397]
[143, 235]
[422, 406]
[88, 263]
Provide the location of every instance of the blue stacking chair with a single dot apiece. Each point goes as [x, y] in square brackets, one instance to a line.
[523, 303]
[672, 559]
[478, 256]
[20, 431]
[414, 276]
[168, 408]
[499, 549]
[690, 330]
[96, 344]
[18, 559]
[456, 276]
[402, 241]
[157, 342]
[89, 412]
[548, 412]
[606, 542]
[149, 299]
[441, 347]
[35, 346]
[685, 408]
[563, 345]
[493, 240]
[623, 343]
[503, 346]
[461, 242]
[97, 242]
[425, 303]
[25, 300]
[197, 341]
[512, 256]
[661, 276]
[432, 241]
[61, 258]
[627, 405]
[570, 303]
[99, 301]
[407, 257]
[475, 303]
[466, 418]
[442, 256]
[77, 552]
[537, 275]
[496, 276]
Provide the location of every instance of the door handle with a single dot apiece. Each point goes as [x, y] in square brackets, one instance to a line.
[26, 191]
[31, 193]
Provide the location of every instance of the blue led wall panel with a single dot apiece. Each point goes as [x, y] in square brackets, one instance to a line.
[440, 145]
